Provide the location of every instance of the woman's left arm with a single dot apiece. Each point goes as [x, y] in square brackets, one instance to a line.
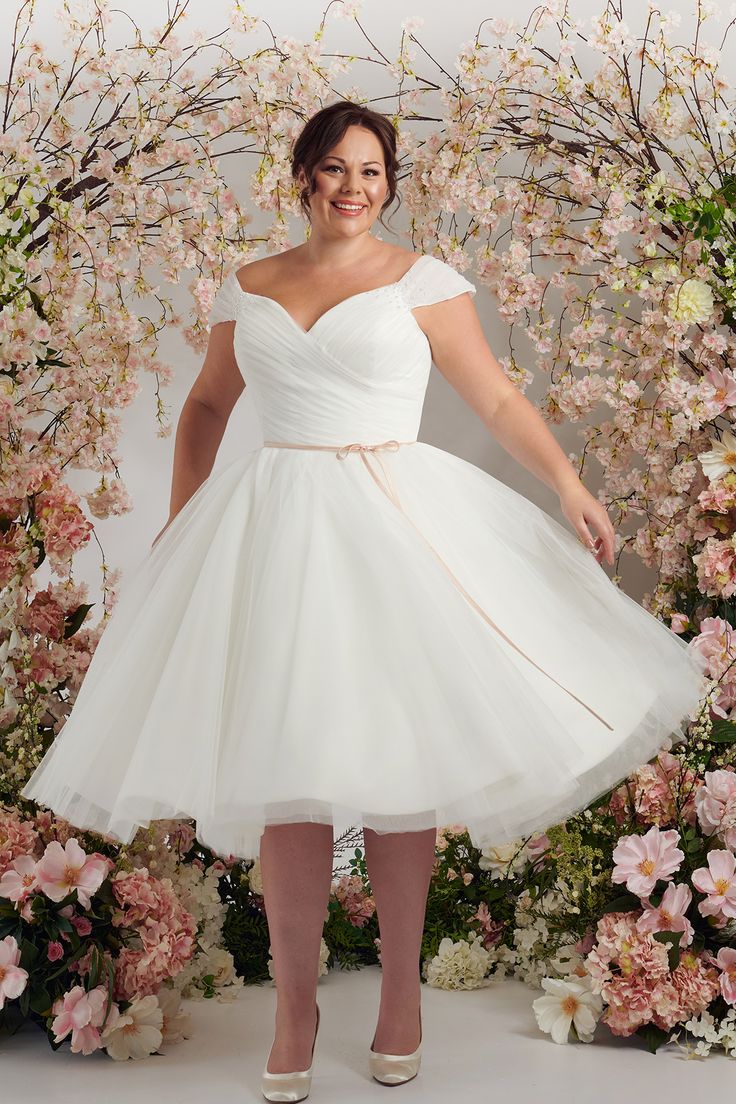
[463, 356]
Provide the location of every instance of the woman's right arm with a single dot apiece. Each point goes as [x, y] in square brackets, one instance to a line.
[204, 417]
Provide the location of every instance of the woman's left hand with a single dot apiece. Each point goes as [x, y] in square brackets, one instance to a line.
[581, 509]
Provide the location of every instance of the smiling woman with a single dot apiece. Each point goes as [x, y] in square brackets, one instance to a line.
[347, 626]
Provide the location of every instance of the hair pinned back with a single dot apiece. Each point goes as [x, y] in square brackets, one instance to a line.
[323, 131]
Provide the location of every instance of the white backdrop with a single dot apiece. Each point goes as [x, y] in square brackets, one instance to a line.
[447, 423]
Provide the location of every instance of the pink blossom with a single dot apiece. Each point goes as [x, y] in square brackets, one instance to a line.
[63, 869]
[715, 803]
[717, 880]
[726, 959]
[81, 1014]
[18, 883]
[13, 978]
[640, 861]
[358, 906]
[54, 951]
[670, 914]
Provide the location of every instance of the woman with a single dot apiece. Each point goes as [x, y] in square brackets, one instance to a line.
[396, 639]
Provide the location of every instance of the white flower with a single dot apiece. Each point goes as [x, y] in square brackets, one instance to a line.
[219, 963]
[504, 860]
[137, 1032]
[720, 459]
[568, 1002]
[255, 880]
[691, 302]
[460, 965]
[177, 1024]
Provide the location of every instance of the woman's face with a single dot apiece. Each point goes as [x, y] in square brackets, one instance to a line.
[353, 173]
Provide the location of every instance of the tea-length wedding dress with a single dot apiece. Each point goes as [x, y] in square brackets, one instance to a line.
[347, 625]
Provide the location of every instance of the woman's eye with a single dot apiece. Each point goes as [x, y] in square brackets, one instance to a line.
[339, 167]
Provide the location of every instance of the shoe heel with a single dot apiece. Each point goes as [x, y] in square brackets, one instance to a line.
[287, 1088]
[395, 1069]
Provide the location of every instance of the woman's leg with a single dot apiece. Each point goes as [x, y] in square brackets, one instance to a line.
[296, 869]
[399, 867]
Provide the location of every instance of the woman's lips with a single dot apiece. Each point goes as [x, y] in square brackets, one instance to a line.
[348, 214]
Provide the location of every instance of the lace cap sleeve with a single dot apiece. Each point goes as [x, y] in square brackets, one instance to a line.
[432, 280]
[226, 302]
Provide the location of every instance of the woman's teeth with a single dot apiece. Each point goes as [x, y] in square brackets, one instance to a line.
[348, 208]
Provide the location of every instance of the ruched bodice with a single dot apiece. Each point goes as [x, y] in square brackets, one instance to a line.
[359, 374]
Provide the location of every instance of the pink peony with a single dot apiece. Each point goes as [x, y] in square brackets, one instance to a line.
[641, 861]
[63, 869]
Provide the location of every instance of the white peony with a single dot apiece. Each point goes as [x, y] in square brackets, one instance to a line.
[721, 459]
[137, 1032]
[569, 1001]
[692, 301]
[460, 965]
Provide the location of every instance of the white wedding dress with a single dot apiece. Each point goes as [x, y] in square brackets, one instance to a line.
[387, 637]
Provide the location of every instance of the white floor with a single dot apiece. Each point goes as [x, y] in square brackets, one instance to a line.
[483, 1045]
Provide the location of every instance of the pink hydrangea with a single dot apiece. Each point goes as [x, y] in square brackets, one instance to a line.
[167, 933]
[17, 837]
[630, 969]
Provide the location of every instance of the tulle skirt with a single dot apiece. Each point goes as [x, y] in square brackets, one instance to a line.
[297, 648]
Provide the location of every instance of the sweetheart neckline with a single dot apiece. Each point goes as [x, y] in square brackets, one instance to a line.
[347, 299]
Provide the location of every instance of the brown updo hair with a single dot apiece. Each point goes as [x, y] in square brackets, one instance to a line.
[325, 128]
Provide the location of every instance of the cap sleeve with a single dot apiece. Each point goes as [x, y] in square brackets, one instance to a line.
[226, 302]
[432, 280]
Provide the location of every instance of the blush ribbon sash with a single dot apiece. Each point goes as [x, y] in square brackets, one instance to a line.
[342, 451]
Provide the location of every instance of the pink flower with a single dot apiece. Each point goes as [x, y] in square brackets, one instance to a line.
[82, 924]
[13, 978]
[719, 883]
[18, 883]
[54, 951]
[715, 803]
[670, 915]
[726, 959]
[82, 1014]
[62, 869]
[642, 860]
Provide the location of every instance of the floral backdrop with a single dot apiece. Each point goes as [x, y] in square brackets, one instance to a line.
[583, 176]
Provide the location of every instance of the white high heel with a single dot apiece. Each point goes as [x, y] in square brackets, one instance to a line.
[395, 1069]
[289, 1087]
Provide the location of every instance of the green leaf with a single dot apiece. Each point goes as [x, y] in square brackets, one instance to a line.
[723, 732]
[654, 1036]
